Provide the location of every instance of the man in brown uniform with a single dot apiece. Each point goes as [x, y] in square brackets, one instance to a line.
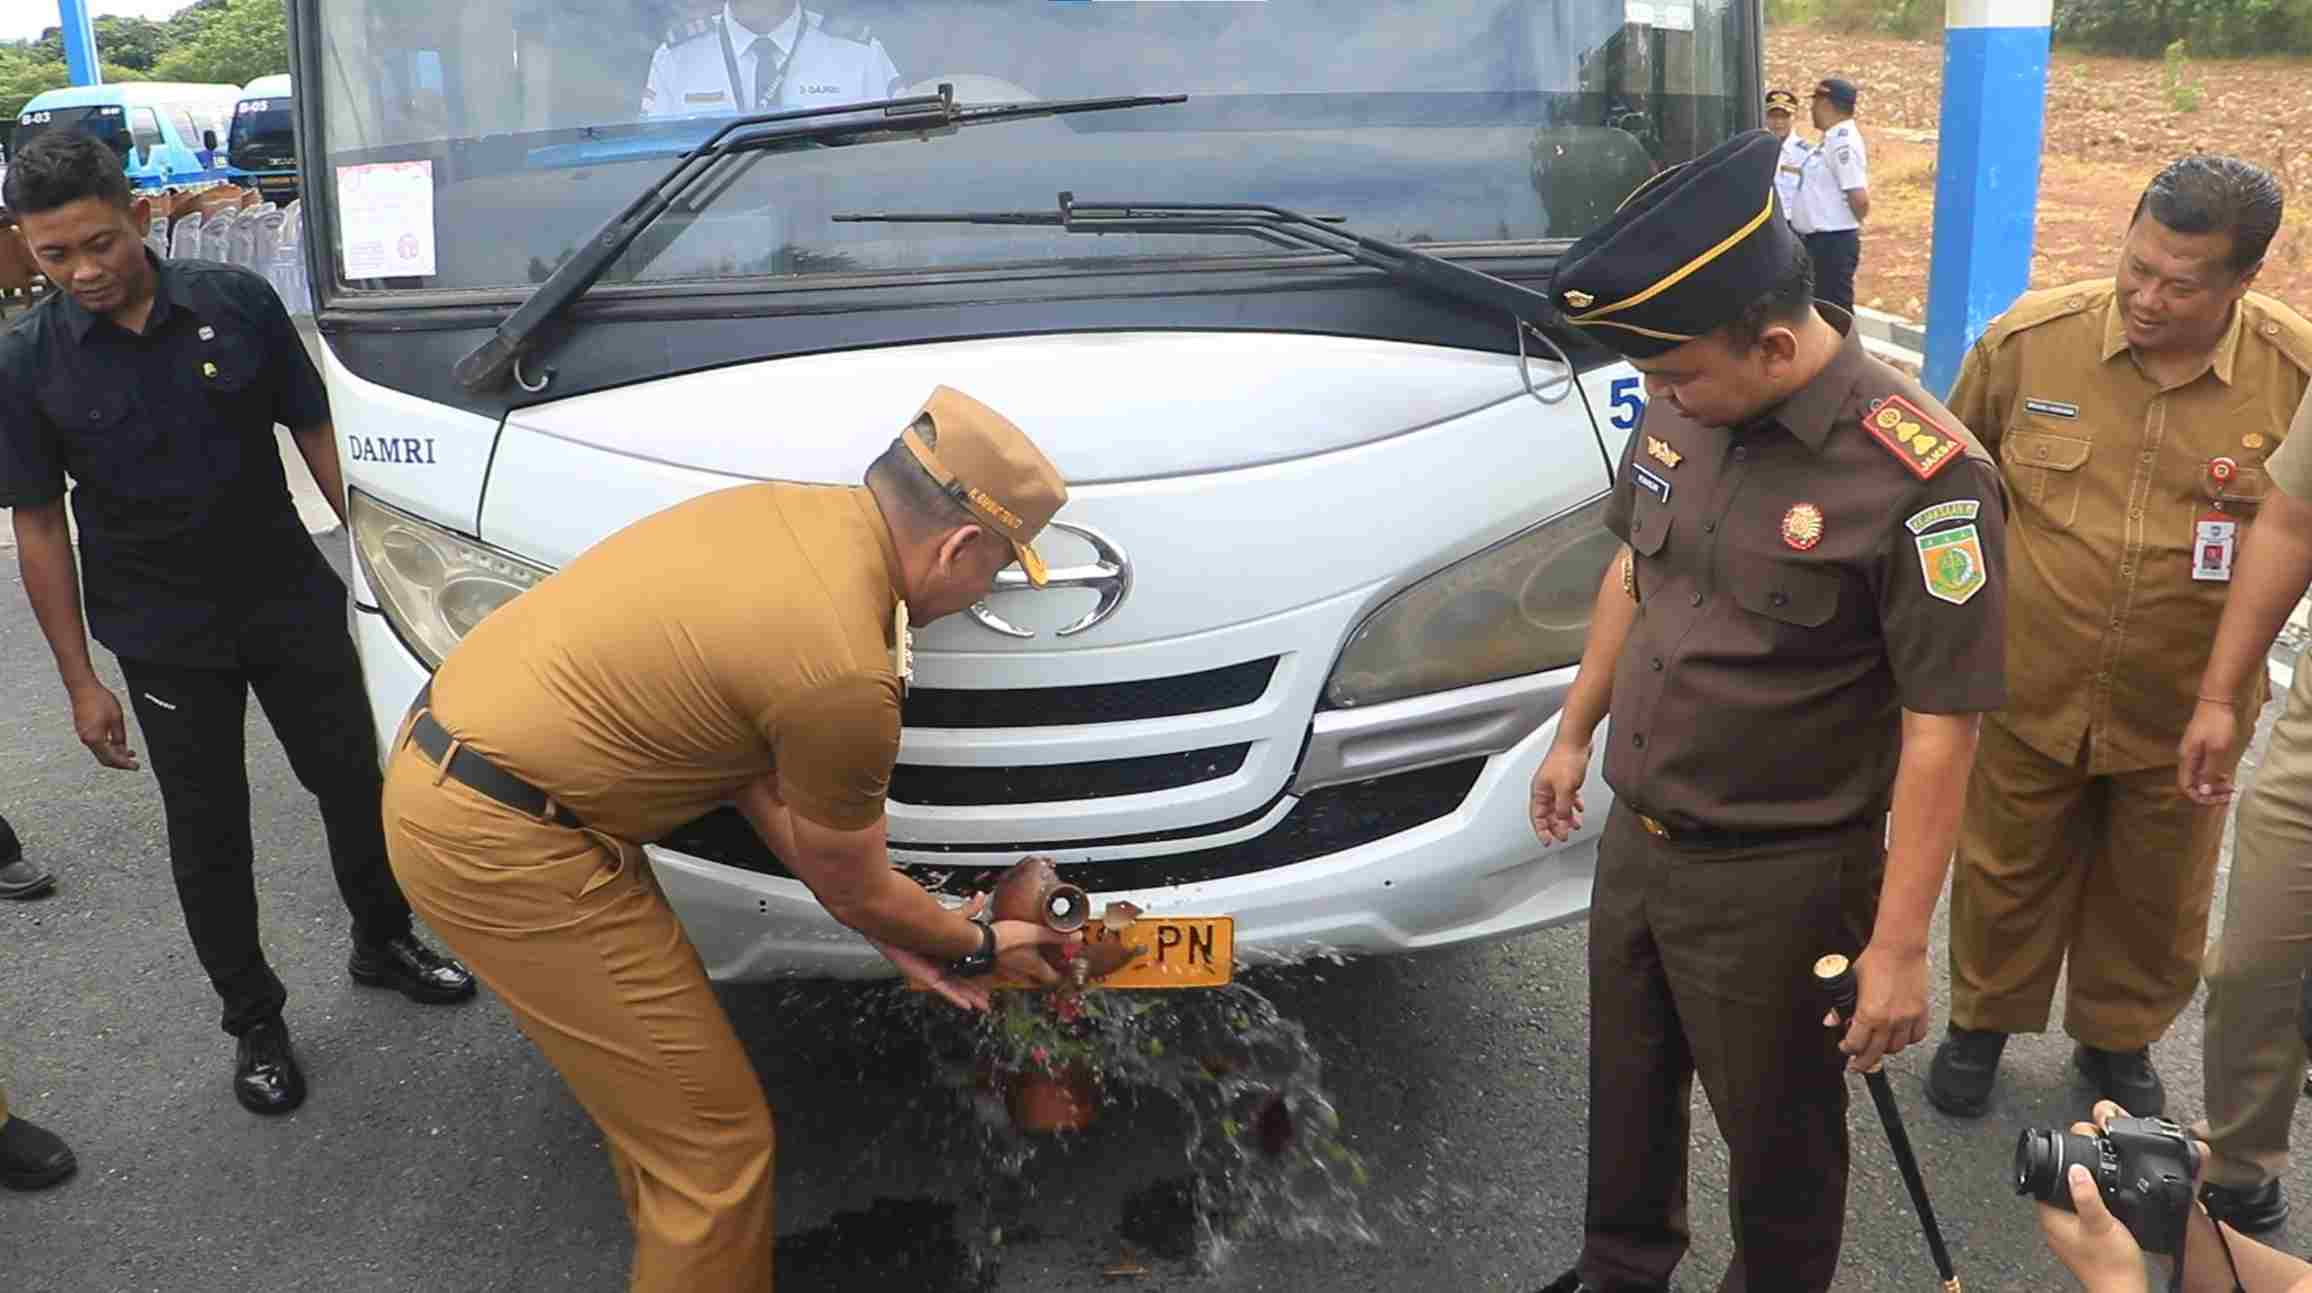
[749, 644]
[2254, 1054]
[2132, 418]
[1794, 643]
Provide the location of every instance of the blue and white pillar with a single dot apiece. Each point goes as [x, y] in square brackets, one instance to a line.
[1986, 171]
[79, 42]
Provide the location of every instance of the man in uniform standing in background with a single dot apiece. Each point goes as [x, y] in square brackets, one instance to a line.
[766, 56]
[1781, 118]
[1834, 194]
[1794, 643]
[2132, 418]
[634, 690]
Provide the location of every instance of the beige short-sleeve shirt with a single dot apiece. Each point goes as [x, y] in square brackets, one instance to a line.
[692, 652]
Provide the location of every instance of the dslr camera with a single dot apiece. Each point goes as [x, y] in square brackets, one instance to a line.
[2143, 1168]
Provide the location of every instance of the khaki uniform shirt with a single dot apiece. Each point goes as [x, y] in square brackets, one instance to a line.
[2291, 469]
[1799, 583]
[692, 652]
[2109, 474]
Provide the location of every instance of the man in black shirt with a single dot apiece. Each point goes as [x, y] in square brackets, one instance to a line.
[155, 386]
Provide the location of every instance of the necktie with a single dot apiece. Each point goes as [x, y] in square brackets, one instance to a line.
[766, 54]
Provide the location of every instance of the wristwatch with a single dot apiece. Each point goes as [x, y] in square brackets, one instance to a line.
[982, 961]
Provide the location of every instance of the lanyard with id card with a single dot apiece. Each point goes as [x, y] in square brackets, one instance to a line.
[2215, 532]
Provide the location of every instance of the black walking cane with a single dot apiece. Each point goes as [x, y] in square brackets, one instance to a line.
[1836, 978]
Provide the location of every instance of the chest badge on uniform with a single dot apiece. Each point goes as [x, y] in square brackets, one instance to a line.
[1660, 451]
[1802, 526]
[208, 333]
[1912, 436]
[208, 370]
[2252, 440]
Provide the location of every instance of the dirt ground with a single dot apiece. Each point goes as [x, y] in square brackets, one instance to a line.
[2111, 124]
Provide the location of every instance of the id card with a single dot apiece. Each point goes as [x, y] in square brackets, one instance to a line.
[2214, 541]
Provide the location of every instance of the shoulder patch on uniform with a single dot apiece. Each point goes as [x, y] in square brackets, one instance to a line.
[1957, 509]
[1951, 563]
[2035, 309]
[846, 27]
[692, 30]
[1911, 436]
[2288, 332]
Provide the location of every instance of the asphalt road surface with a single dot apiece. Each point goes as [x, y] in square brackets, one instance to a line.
[438, 1152]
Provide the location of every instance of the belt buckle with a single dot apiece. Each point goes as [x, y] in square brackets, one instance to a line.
[1653, 827]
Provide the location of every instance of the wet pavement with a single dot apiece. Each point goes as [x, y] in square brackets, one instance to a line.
[437, 1152]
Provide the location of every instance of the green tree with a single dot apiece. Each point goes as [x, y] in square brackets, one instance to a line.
[135, 43]
[236, 42]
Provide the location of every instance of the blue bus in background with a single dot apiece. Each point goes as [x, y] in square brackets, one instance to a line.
[261, 149]
[168, 134]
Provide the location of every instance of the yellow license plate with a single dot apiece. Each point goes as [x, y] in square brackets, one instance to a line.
[1179, 952]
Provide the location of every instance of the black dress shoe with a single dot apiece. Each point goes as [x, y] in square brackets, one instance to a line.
[1966, 1067]
[1570, 1282]
[21, 879]
[266, 1078]
[32, 1157]
[2124, 1077]
[417, 971]
[2251, 1210]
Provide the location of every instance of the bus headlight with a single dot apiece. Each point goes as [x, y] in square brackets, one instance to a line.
[433, 585]
[1519, 607]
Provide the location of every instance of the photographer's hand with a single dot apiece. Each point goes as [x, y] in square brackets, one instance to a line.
[2206, 1267]
[2091, 1243]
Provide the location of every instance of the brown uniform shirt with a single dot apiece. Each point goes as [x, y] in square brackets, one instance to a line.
[2109, 473]
[692, 652]
[1799, 583]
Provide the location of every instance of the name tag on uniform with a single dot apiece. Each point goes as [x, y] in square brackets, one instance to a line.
[822, 89]
[2214, 541]
[715, 97]
[1651, 483]
[2052, 408]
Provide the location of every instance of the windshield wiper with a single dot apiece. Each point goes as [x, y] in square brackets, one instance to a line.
[1274, 225]
[1529, 311]
[920, 116]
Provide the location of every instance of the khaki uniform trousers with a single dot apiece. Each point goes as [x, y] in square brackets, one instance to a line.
[1701, 963]
[3, 1104]
[2118, 871]
[569, 929]
[2254, 1048]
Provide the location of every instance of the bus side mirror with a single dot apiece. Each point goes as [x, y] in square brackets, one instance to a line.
[209, 140]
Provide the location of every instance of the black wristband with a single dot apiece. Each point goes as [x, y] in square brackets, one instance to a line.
[980, 962]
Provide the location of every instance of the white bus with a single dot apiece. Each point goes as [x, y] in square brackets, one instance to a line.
[1334, 521]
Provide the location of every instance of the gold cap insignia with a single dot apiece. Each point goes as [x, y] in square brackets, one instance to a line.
[1579, 299]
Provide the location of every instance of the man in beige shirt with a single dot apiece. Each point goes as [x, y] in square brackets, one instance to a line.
[2254, 1052]
[750, 645]
[2132, 419]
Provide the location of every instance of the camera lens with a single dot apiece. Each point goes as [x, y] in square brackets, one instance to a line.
[2044, 1158]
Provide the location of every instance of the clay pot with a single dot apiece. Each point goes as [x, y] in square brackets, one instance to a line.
[1049, 1102]
[1031, 890]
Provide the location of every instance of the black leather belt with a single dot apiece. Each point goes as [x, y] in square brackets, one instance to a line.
[476, 773]
[1703, 838]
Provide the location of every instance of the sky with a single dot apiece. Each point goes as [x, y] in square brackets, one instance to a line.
[26, 19]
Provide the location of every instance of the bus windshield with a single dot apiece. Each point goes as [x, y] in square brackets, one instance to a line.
[108, 123]
[487, 139]
[263, 137]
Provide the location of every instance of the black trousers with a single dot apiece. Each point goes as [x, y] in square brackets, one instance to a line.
[1836, 256]
[1701, 962]
[309, 682]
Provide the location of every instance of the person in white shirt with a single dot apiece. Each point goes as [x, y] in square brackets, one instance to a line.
[1834, 194]
[766, 56]
[1781, 115]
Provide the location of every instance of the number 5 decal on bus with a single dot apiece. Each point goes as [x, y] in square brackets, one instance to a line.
[1628, 406]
